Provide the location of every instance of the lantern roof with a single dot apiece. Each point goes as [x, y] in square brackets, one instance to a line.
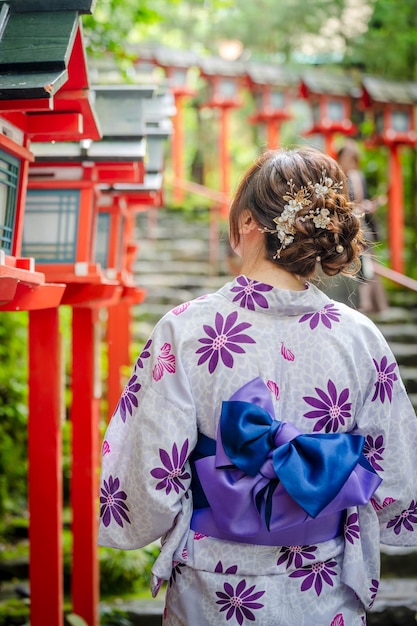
[43, 69]
[121, 110]
[388, 91]
[216, 66]
[328, 83]
[171, 57]
[270, 74]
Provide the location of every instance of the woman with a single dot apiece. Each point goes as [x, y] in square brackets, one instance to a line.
[255, 434]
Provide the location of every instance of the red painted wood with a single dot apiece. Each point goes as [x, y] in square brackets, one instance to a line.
[45, 471]
[178, 147]
[30, 297]
[273, 128]
[60, 125]
[118, 341]
[396, 210]
[224, 158]
[84, 475]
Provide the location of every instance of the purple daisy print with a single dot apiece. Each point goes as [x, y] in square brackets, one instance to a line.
[405, 519]
[223, 339]
[145, 354]
[165, 362]
[328, 314]
[374, 590]
[385, 379]
[373, 451]
[128, 399]
[249, 293]
[296, 554]
[240, 603]
[113, 502]
[331, 408]
[351, 528]
[338, 620]
[315, 574]
[173, 471]
[230, 570]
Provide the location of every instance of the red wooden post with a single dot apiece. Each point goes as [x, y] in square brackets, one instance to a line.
[84, 477]
[272, 126]
[45, 471]
[224, 158]
[396, 210]
[118, 340]
[178, 147]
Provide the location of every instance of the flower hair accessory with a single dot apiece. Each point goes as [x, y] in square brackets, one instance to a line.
[296, 201]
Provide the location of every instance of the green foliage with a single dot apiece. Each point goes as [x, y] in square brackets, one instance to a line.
[124, 571]
[14, 613]
[13, 412]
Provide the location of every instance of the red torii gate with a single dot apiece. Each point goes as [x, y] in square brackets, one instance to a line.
[44, 95]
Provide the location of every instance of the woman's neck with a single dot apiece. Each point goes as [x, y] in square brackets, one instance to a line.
[270, 273]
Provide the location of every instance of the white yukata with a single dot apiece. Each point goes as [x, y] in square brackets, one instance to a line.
[323, 369]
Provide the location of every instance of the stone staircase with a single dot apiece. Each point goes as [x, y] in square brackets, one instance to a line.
[173, 265]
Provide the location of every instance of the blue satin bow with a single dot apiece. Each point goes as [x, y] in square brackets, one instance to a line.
[311, 467]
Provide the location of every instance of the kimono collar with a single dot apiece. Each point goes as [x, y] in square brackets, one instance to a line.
[257, 296]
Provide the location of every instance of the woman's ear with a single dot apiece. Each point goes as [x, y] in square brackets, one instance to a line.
[247, 223]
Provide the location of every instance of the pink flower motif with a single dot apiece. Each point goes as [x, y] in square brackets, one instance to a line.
[315, 574]
[198, 536]
[351, 529]
[249, 293]
[385, 379]
[338, 620]
[296, 554]
[385, 503]
[105, 448]
[222, 340]
[331, 408]
[405, 519]
[239, 602]
[165, 362]
[173, 471]
[128, 399]
[273, 388]
[373, 451]
[328, 314]
[181, 308]
[286, 353]
[145, 354]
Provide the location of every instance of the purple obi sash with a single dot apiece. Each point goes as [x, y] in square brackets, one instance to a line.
[264, 482]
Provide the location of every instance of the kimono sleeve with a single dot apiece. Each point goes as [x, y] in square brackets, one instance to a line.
[389, 425]
[145, 475]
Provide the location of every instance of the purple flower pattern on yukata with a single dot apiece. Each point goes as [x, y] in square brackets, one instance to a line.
[405, 519]
[128, 399]
[385, 379]
[105, 448]
[273, 388]
[165, 362]
[315, 574]
[176, 571]
[230, 570]
[249, 293]
[223, 339]
[351, 528]
[374, 590]
[296, 555]
[373, 451]
[113, 502]
[379, 507]
[331, 409]
[145, 354]
[328, 314]
[181, 308]
[338, 620]
[172, 472]
[240, 602]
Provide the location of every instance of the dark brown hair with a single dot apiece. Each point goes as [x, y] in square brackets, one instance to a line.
[261, 191]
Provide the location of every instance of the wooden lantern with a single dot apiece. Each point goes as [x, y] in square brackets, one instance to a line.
[272, 87]
[330, 97]
[391, 105]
